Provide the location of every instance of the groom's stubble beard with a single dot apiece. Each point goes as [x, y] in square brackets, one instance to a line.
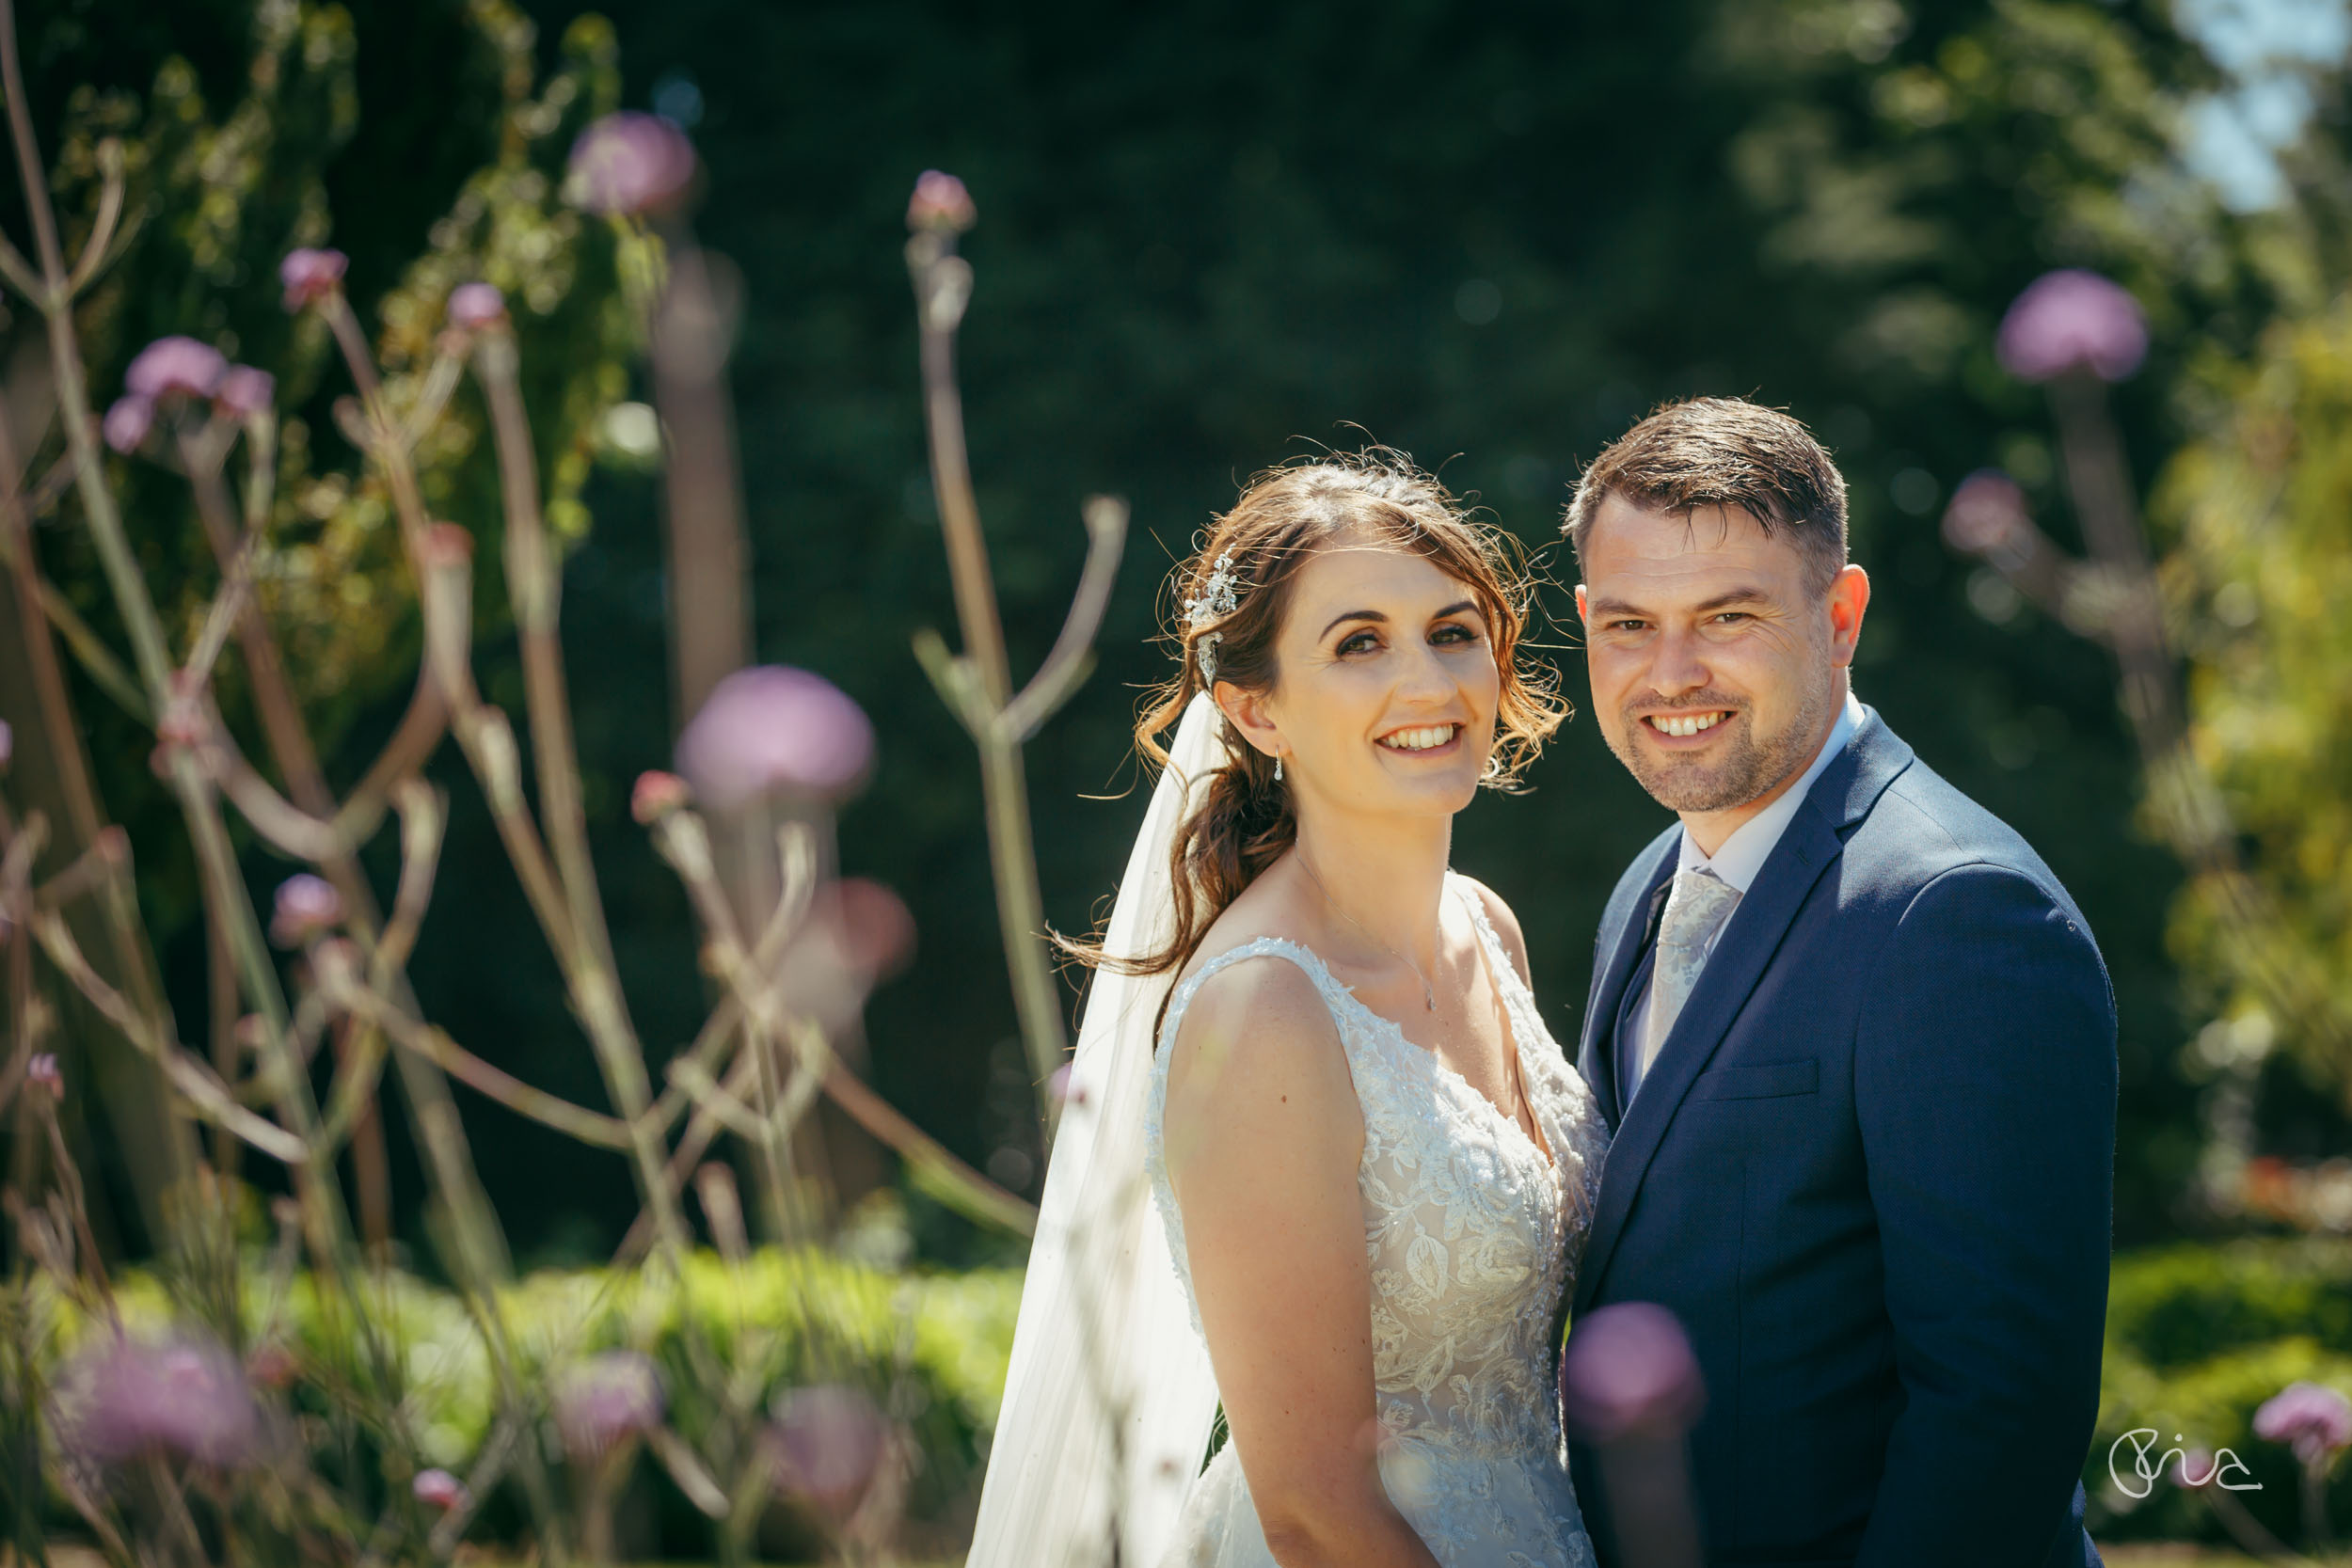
[1751, 764]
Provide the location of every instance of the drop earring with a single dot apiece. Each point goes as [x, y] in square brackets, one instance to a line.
[1278, 769]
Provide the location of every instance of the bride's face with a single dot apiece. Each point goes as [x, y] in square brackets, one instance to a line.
[1386, 687]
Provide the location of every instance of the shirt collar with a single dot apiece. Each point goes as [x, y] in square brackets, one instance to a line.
[1738, 858]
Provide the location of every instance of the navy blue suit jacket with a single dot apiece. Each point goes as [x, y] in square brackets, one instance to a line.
[1872, 1170]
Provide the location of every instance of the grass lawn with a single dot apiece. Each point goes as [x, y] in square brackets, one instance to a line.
[2173, 1555]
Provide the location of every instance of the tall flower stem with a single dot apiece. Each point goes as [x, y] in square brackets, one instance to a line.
[586, 950]
[978, 684]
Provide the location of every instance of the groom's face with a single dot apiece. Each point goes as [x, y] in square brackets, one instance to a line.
[1714, 651]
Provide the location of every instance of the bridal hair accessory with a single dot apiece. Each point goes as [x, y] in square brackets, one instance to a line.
[1216, 600]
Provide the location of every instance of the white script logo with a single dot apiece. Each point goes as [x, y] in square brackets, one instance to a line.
[2147, 1474]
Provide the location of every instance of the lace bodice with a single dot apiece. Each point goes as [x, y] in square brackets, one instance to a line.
[1471, 1233]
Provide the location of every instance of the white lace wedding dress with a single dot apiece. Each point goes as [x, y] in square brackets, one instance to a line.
[1471, 1234]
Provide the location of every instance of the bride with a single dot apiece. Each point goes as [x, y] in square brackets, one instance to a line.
[1371, 1165]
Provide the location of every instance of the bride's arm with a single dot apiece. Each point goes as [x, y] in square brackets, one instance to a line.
[1263, 1135]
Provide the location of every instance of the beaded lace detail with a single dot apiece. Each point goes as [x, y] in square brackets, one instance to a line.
[1471, 1233]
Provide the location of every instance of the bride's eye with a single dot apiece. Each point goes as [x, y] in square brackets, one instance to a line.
[1455, 633]
[1357, 642]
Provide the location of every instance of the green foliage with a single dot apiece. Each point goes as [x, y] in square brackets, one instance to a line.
[2261, 502]
[228, 174]
[2197, 1338]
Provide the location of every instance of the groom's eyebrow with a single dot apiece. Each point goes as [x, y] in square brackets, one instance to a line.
[1603, 609]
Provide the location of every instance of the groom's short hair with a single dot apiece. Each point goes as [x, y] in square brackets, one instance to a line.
[1722, 453]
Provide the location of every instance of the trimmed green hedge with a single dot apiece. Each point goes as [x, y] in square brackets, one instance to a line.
[2199, 1335]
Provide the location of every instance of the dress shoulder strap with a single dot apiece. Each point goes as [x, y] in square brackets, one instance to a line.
[1498, 955]
[1335, 995]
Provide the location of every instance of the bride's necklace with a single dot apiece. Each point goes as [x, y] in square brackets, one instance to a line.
[1427, 996]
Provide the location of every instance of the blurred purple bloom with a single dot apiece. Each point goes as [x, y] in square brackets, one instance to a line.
[441, 1490]
[771, 728]
[941, 203]
[245, 392]
[2070, 318]
[42, 1069]
[174, 365]
[605, 1398]
[1986, 515]
[311, 275]
[180, 1397]
[475, 305]
[127, 423]
[306, 906]
[2315, 1420]
[2198, 1468]
[1629, 1372]
[656, 796]
[630, 162]
[829, 1443]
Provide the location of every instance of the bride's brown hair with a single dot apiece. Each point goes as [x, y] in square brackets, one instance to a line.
[1285, 515]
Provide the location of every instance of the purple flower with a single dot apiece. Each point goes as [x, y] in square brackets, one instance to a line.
[245, 392]
[127, 423]
[1628, 1372]
[171, 366]
[941, 203]
[309, 276]
[183, 1398]
[829, 1443]
[656, 796]
[1986, 515]
[2314, 1420]
[2072, 318]
[441, 1490]
[42, 1069]
[630, 162]
[771, 728]
[306, 906]
[475, 305]
[606, 1398]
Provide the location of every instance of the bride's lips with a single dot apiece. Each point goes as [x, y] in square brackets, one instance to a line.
[1701, 726]
[1416, 740]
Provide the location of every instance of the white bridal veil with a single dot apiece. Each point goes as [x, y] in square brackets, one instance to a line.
[1109, 1397]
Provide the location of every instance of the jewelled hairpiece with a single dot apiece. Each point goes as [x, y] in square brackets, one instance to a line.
[1216, 600]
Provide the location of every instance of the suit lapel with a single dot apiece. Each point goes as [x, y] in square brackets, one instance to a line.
[1843, 796]
[1595, 1059]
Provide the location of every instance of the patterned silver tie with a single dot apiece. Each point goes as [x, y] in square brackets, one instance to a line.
[1695, 909]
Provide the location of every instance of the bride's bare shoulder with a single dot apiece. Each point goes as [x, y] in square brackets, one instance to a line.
[1257, 1029]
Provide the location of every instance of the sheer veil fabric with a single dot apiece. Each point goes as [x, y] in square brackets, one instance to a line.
[1109, 1397]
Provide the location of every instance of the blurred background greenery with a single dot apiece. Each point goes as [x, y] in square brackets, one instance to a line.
[1213, 235]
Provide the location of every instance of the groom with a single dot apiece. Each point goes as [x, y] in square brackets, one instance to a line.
[1856, 1043]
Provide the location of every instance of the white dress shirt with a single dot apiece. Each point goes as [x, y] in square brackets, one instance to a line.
[1736, 860]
